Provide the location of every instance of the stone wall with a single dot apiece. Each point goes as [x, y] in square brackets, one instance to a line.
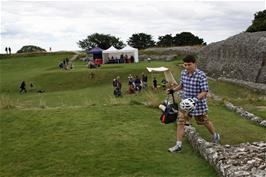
[167, 53]
[245, 114]
[241, 57]
[239, 110]
[243, 160]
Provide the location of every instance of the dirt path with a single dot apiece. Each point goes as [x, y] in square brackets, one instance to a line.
[74, 57]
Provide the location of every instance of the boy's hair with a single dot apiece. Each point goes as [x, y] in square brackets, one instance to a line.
[189, 59]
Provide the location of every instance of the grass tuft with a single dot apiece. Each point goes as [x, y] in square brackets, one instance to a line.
[7, 103]
[153, 100]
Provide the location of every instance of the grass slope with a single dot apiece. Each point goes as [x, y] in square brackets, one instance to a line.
[78, 128]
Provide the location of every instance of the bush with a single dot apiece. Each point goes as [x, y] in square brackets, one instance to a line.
[30, 49]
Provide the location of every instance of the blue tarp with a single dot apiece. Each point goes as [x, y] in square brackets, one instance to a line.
[96, 50]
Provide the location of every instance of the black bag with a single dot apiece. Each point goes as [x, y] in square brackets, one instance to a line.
[169, 115]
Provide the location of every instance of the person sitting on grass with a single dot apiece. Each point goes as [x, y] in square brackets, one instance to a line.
[137, 84]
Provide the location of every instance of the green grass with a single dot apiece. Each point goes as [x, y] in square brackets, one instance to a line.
[240, 96]
[78, 128]
[105, 141]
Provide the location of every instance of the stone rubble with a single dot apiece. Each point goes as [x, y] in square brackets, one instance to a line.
[245, 114]
[243, 160]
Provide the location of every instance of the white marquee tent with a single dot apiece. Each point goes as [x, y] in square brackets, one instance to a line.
[110, 52]
[115, 53]
[131, 51]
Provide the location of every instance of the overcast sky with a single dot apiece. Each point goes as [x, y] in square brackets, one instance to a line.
[61, 24]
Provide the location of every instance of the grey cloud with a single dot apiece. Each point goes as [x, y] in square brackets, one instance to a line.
[50, 21]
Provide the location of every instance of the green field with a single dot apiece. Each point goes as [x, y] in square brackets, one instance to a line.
[78, 128]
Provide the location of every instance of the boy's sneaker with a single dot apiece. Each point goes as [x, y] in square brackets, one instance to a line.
[176, 148]
[216, 138]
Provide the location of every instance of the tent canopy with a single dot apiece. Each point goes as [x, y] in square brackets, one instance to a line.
[96, 50]
[167, 74]
[159, 69]
[128, 49]
[111, 49]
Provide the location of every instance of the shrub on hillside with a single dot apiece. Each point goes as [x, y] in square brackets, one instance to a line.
[30, 49]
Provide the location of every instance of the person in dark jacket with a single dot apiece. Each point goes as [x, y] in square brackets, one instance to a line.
[23, 87]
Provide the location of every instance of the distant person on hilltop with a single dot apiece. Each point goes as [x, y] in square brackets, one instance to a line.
[9, 49]
[23, 87]
[6, 50]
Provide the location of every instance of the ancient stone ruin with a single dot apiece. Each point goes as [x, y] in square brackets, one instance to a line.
[241, 57]
[243, 160]
[168, 53]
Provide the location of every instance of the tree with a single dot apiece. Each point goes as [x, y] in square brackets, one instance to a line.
[259, 22]
[165, 41]
[187, 38]
[141, 41]
[103, 41]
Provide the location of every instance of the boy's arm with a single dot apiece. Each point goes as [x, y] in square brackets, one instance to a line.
[177, 88]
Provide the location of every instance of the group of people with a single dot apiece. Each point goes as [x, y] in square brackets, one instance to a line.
[65, 64]
[121, 59]
[136, 84]
[8, 50]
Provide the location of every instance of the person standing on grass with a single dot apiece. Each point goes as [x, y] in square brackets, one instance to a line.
[194, 88]
[117, 86]
[9, 49]
[6, 50]
[23, 87]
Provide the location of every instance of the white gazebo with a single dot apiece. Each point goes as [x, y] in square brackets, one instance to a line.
[109, 53]
[130, 51]
[113, 54]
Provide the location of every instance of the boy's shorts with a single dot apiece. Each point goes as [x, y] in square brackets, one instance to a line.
[200, 120]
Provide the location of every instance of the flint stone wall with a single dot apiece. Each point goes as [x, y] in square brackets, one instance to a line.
[168, 53]
[244, 160]
[245, 114]
[241, 57]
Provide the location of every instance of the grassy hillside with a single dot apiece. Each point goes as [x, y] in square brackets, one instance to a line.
[78, 128]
